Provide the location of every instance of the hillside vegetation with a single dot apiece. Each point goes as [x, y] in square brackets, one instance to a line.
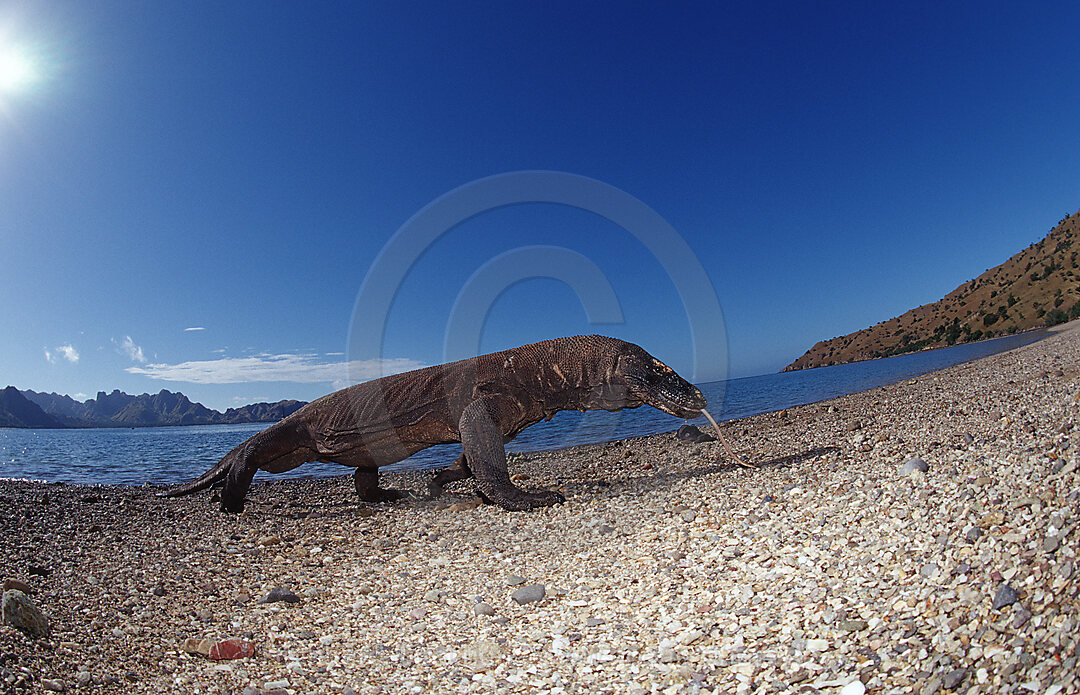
[1039, 286]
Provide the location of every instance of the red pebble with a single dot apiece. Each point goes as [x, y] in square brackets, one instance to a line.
[231, 649]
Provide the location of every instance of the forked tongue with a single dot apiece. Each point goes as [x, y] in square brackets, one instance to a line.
[727, 447]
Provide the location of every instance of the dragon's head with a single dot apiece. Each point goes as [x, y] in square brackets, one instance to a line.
[654, 383]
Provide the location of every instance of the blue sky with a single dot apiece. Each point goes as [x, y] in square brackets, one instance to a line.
[236, 168]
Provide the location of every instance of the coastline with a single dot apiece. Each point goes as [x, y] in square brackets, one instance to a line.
[665, 571]
[1047, 330]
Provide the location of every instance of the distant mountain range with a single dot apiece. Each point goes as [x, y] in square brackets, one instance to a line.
[1039, 286]
[118, 409]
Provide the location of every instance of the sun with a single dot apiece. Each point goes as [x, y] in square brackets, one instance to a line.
[17, 70]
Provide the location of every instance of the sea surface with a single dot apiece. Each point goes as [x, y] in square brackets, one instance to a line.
[176, 454]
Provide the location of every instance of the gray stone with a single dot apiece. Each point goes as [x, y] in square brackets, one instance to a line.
[1051, 544]
[434, 596]
[930, 570]
[528, 594]
[1006, 596]
[953, 678]
[973, 534]
[483, 608]
[280, 593]
[1022, 616]
[593, 622]
[912, 465]
[20, 612]
[53, 684]
[514, 580]
[851, 625]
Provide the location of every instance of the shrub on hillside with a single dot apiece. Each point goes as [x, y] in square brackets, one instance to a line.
[1056, 316]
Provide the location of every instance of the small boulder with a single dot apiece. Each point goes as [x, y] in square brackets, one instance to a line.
[952, 679]
[233, 648]
[1005, 596]
[20, 612]
[855, 687]
[528, 594]
[912, 465]
[483, 608]
[851, 625]
[196, 646]
[690, 433]
[280, 593]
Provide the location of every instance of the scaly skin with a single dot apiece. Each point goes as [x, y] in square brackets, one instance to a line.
[482, 402]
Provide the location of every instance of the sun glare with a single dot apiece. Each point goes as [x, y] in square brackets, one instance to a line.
[17, 71]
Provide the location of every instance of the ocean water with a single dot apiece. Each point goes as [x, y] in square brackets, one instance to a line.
[177, 454]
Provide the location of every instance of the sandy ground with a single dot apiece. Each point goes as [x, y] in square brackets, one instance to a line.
[828, 569]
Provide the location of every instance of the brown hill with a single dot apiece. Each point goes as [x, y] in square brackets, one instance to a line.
[1037, 287]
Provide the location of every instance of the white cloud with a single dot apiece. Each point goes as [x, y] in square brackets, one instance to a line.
[128, 347]
[194, 328]
[301, 369]
[67, 352]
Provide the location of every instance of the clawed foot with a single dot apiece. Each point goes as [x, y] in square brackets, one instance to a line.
[385, 495]
[232, 505]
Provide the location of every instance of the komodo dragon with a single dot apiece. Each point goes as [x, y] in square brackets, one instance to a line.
[482, 402]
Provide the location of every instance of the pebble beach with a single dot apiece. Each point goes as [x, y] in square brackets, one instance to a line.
[916, 538]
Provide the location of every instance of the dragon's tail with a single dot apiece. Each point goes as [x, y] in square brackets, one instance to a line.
[207, 479]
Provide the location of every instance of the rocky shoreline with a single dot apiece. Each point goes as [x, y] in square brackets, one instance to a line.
[840, 565]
